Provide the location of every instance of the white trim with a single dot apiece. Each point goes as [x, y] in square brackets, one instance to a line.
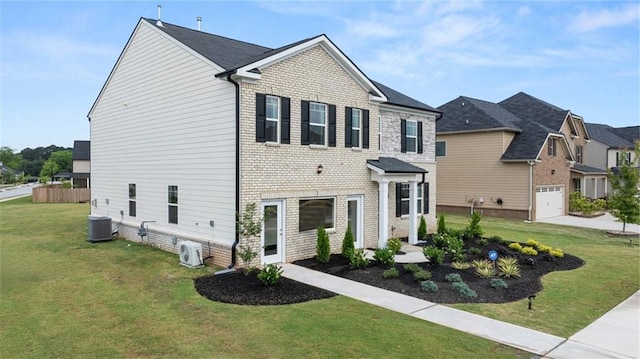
[409, 111]
[279, 257]
[277, 120]
[359, 236]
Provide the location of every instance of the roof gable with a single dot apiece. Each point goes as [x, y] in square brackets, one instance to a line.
[530, 108]
[81, 151]
[396, 98]
[466, 114]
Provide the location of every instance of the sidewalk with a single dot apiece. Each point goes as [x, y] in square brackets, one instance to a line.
[623, 319]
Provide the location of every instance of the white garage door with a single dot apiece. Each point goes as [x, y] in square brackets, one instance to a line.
[549, 202]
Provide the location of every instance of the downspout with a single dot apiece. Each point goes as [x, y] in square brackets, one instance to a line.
[531, 163]
[237, 239]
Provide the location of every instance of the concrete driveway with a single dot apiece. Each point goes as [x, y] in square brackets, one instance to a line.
[607, 222]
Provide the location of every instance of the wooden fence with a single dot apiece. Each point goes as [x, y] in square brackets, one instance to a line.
[61, 195]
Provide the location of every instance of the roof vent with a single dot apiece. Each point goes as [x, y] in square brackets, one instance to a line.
[159, 23]
[199, 21]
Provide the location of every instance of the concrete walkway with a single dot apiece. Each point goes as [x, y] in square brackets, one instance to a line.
[606, 222]
[604, 336]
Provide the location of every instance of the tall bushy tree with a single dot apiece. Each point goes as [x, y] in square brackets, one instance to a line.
[323, 249]
[624, 203]
[49, 169]
[347, 243]
[63, 159]
[442, 227]
[422, 229]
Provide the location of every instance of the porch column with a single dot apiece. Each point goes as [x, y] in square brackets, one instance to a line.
[413, 212]
[383, 213]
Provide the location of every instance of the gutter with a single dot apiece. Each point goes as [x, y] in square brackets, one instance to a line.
[237, 237]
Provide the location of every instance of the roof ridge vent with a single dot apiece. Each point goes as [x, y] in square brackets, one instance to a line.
[159, 23]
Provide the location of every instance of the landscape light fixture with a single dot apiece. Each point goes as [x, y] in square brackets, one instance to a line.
[319, 170]
[531, 298]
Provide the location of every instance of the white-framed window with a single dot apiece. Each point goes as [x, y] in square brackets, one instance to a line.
[412, 136]
[380, 133]
[315, 212]
[441, 148]
[272, 121]
[173, 204]
[404, 200]
[579, 153]
[551, 149]
[318, 124]
[132, 199]
[356, 128]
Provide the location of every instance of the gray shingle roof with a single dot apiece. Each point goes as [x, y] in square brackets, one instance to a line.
[528, 107]
[394, 165]
[396, 98]
[630, 133]
[232, 54]
[579, 167]
[469, 114]
[81, 151]
[606, 135]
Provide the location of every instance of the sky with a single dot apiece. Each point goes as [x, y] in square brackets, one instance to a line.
[581, 56]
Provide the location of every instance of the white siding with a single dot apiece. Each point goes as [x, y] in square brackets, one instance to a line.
[164, 119]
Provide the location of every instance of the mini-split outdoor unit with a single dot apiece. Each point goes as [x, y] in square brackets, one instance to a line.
[190, 254]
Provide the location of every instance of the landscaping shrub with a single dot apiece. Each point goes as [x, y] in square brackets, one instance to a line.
[473, 229]
[270, 275]
[455, 245]
[463, 290]
[422, 275]
[411, 267]
[460, 265]
[587, 206]
[496, 239]
[422, 229]
[508, 267]
[247, 254]
[347, 243]
[390, 273]
[442, 227]
[440, 240]
[498, 283]
[358, 259]
[482, 241]
[482, 263]
[435, 255]
[556, 253]
[475, 250]
[529, 251]
[394, 244]
[532, 243]
[543, 248]
[515, 246]
[384, 256]
[485, 272]
[429, 286]
[323, 248]
[453, 277]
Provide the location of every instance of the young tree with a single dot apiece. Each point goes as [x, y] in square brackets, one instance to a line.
[249, 226]
[49, 169]
[624, 203]
[63, 159]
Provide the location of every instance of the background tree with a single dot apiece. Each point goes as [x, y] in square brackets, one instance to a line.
[10, 159]
[624, 203]
[49, 169]
[63, 159]
[34, 158]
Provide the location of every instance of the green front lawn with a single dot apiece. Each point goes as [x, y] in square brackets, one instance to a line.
[62, 297]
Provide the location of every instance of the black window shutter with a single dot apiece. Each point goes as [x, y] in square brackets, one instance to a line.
[419, 137]
[347, 126]
[403, 136]
[304, 115]
[365, 128]
[332, 125]
[398, 199]
[285, 120]
[261, 115]
[425, 198]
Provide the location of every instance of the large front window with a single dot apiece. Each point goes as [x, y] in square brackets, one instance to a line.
[412, 136]
[316, 212]
[272, 119]
[317, 124]
[404, 201]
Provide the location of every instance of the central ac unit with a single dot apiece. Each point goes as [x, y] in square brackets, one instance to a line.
[190, 254]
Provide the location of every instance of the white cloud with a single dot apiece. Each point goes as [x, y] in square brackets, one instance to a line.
[524, 10]
[371, 28]
[588, 21]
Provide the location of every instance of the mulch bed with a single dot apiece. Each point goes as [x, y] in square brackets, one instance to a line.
[237, 288]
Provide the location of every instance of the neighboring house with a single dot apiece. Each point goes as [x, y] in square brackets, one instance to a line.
[512, 159]
[81, 157]
[191, 127]
[606, 150]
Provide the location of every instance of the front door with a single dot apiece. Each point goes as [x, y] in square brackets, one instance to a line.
[354, 219]
[272, 248]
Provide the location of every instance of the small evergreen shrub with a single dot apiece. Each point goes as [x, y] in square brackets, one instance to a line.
[508, 267]
[498, 283]
[270, 275]
[529, 251]
[475, 250]
[473, 229]
[455, 245]
[435, 255]
[453, 277]
[482, 241]
[460, 257]
[422, 229]
[347, 243]
[440, 240]
[532, 243]
[556, 252]
[385, 256]
[422, 275]
[463, 290]
[496, 239]
[411, 267]
[515, 246]
[391, 273]
[323, 248]
[429, 286]
[442, 227]
[358, 259]
[394, 244]
[461, 265]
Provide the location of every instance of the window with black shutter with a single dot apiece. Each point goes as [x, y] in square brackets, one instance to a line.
[272, 119]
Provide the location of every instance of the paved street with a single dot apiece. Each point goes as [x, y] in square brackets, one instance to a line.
[22, 190]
